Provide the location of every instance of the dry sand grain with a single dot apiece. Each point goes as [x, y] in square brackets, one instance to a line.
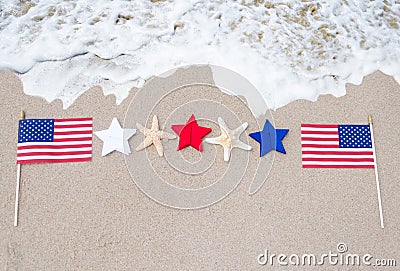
[92, 216]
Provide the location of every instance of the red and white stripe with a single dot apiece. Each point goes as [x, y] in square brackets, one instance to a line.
[72, 143]
[320, 149]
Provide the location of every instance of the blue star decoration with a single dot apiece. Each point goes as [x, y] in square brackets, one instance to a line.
[270, 139]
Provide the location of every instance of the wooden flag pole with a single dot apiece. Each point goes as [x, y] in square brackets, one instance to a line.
[376, 172]
[18, 184]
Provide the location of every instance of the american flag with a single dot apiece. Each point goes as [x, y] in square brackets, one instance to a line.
[54, 140]
[336, 146]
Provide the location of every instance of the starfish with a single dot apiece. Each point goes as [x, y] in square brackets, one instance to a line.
[153, 136]
[229, 139]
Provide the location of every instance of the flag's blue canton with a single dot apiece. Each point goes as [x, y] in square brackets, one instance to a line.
[36, 130]
[354, 136]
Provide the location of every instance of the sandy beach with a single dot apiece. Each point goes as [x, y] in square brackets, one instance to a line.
[93, 216]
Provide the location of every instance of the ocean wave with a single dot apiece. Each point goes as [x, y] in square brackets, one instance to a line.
[288, 49]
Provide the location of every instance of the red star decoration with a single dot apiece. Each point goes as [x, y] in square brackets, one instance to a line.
[191, 134]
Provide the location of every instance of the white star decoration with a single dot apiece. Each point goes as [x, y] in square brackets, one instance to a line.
[229, 139]
[115, 138]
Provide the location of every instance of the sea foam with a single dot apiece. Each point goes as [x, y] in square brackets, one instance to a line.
[288, 49]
